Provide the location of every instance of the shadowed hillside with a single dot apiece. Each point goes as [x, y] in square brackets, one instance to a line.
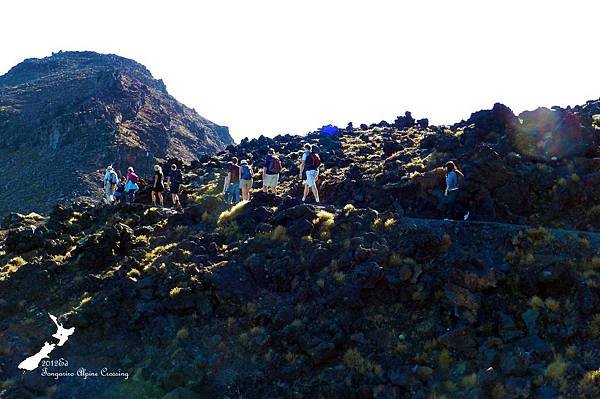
[369, 295]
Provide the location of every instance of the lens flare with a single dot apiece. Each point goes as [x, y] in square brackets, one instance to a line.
[547, 134]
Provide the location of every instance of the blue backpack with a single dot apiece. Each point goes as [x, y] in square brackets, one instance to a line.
[246, 172]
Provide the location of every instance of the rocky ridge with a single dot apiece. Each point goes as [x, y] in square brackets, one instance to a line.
[369, 296]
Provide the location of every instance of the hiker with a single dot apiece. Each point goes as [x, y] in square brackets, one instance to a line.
[110, 184]
[271, 170]
[174, 181]
[231, 187]
[310, 164]
[454, 182]
[131, 187]
[120, 191]
[158, 186]
[246, 181]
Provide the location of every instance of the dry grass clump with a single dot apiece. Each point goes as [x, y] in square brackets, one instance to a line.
[134, 273]
[156, 252]
[556, 370]
[325, 222]
[12, 266]
[141, 239]
[231, 214]
[348, 209]
[590, 379]
[390, 223]
[395, 259]
[539, 236]
[353, 359]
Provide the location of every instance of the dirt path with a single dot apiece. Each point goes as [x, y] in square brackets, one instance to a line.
[491, 227]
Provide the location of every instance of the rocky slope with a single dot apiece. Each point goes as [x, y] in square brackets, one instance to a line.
[369, 296]
[64, 117]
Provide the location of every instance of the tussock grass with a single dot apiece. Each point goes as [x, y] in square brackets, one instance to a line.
[556, 370]
[156, 252]
[231, 214]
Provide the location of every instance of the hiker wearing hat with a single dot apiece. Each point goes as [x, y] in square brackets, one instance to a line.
[246, 174]
[271, 169]
[110, 184]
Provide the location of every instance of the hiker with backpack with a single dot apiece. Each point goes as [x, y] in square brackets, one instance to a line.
[246, 181]
[158, 186]
[131, 187]
[120, 191]
[231, 187]
[271, 170]
[310, 164]
[174, 180]
[110, 184]
[455, 181]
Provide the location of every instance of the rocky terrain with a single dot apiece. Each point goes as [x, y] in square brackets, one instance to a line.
[369, 295]
[64, 117]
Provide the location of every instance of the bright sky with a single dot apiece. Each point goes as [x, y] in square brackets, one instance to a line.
[273, 66]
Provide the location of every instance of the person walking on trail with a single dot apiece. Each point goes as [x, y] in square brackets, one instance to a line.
[310, 164]
[158, 186]
[174, 180]
[271, 170]
[110, 184]
[454, 182]
[120, 191]
[231, 187]
[131, 187]
[246, 180]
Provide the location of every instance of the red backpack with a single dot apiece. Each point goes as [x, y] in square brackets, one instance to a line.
[134, 178]
[274, 165]
[315, 160]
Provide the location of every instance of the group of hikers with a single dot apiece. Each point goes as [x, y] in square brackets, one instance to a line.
[240, 175]
[240, 179]
[122, 190]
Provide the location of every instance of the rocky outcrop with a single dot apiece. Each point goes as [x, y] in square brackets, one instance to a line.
[372, 295]
[64, 117]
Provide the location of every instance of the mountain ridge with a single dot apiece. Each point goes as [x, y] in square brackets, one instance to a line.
[81, 111]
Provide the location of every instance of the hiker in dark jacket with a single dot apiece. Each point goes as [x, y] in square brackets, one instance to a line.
[231, 187]
[454, 182]
[310, 164]
[174, 181]
[158, 186]
[120, 191]
[271, 169]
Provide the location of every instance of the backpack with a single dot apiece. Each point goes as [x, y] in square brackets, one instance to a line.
[246, 173]
[315, 160]
[113, 179]
[274, 166]
[134, 178]
[177, 177]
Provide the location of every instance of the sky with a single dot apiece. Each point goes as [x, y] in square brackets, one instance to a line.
[273, 66]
